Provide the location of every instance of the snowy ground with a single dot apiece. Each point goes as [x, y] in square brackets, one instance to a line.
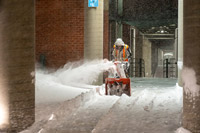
[154, 107]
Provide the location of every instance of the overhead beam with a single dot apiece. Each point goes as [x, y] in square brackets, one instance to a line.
[158, 34]
[161, 38]
[146, 24]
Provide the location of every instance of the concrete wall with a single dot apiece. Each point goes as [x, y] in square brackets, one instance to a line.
[17, 90]
[93, 33]
[147, 57]
[159, 47]
[154, 59]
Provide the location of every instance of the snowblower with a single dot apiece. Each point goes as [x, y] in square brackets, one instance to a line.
[119, 83]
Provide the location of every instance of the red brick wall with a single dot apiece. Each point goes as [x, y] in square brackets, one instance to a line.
[138, 40]
[138, 45]
[106, 35]
[59, 31]
[126, 34]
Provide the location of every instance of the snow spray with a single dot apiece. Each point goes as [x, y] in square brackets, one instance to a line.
[71, 80]
[86, 73]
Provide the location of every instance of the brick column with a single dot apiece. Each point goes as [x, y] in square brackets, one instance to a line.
[17, 96]
[106, 30]
[191, 70]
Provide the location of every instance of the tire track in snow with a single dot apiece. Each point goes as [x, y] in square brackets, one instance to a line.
[85, 118]
[131, 116]
[126, 115]
[60, 111]
[121, 106]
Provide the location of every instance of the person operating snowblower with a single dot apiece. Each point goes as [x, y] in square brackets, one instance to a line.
[122, 53]
[120, 82]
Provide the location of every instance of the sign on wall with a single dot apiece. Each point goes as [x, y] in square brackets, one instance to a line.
[93, 3]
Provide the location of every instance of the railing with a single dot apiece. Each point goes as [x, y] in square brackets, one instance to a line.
[137, 67]
[169, 68]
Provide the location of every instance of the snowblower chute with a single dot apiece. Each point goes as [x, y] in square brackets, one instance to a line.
[120, 83]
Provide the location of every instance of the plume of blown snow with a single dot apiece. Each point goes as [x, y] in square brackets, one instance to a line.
[86, 73]
[49, 89]
[190, 82]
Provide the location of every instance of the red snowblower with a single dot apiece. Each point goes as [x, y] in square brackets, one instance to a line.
[119, 83]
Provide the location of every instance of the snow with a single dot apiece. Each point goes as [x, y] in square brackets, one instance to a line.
[73, 105]
[87, 73]
[191, 87]
[152, 108]
[180, 64]
[182, 130]
[69, 81]
[48, 89]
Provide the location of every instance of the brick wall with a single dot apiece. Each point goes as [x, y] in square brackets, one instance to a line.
[106, 35]
[138, 40]
[126, 34]
[112, 35]
[59, 31]
[138, 44]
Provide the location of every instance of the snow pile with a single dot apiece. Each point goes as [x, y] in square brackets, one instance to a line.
[179, 93]
[180, 64]
[89, 105]
[190, 82]
[182, 130]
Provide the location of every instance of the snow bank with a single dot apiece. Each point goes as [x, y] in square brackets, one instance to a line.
[54, 116]
[180, 64]
[182, 130]
[190, 82]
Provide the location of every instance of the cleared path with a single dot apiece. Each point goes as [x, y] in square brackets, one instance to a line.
[154, 107]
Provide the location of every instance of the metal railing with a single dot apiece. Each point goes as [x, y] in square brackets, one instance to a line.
[169, 68]
[137, 67]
